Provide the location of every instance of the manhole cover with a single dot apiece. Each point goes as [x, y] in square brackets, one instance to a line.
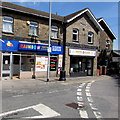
[73, 105]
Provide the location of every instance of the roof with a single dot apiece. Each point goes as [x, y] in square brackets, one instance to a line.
[26, 10]
[106, 28]
[116, 52]
[67, 19]
[73, 16]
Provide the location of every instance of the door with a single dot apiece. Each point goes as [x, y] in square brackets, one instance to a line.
[90, 67]
[6, 66]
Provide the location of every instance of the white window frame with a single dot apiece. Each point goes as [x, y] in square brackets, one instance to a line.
[35, 27]
[77, 34]
[8, 22]
[90, 36]
[54, 29]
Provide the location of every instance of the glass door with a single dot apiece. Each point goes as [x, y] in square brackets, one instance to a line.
[90, 67]
[6, 66]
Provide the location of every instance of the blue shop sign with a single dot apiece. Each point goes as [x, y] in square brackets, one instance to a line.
[9, 45]
[27, 46]
[16, 46]
[55, 49]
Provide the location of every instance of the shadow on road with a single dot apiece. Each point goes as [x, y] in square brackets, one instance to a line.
[117, 78]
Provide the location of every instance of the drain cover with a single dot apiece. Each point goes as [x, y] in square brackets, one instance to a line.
[72, 105]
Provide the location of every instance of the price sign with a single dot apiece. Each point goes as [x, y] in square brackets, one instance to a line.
[53, 63]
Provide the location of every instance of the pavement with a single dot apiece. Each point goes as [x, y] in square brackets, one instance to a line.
[26, 83]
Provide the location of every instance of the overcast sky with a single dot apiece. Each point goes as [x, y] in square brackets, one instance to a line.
[107, 10]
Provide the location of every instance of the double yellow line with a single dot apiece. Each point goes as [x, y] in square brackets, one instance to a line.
[84, 81]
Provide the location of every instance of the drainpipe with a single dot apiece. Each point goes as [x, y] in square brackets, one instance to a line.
[63, 72]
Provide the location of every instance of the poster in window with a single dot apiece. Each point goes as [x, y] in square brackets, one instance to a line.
[41, 63]
[53, 63]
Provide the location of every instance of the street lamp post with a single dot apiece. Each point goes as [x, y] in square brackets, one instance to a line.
[49, 37]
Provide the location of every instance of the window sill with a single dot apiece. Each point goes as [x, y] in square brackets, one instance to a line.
[8, 32]
[75, 40]
[33, 35]
[54, 38]
[90, 42]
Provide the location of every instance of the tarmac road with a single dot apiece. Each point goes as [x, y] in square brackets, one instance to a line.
[80, 97]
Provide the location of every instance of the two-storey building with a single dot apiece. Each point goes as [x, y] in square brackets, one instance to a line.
[24, 42]
[75, 41]
[106, 46]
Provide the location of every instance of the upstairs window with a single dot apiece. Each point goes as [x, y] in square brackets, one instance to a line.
[54, 34]
[33, 29]
[75, 34]
[107, 44]
[8, 24]
[90, 37]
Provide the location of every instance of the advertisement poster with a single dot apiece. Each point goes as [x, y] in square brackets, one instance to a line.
[41, 63]
[53, 63]
[60, 58]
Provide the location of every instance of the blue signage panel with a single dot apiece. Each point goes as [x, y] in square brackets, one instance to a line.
[42, 47]
[9, 45]
[27, 46]
[56, 49]
[15, 46]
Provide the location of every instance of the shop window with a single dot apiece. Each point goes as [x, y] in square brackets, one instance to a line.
[54, 34]
[27, 63]
[90, 37]
[8, 24]
[75, 34]
[33, 29]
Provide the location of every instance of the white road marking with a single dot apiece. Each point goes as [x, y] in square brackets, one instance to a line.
[83, 114]
[87, 90]
[79, 90]
[53, 91]
[80, 103]
[92, 106]
[82, 85]
[79, 93]
[79, 98]
[88, 94]
[89, 99]
[45, 110]
[42, 109]
[97, 114]
[17, 96]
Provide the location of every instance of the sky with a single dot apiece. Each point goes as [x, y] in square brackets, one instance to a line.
[107, 10]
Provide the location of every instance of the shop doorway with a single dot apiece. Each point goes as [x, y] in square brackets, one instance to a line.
[90, 67]
[81, 66]
[15, 66]
[10, 66]
[6, 66]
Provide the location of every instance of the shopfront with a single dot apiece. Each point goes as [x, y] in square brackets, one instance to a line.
[81, 62]
[23, 60]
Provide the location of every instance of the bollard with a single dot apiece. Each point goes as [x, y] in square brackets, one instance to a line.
[62, 75]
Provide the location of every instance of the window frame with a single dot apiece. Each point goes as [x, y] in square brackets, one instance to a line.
[91, 36]
[77, 35]
[54, 30]
[33, 26]
[7, 21]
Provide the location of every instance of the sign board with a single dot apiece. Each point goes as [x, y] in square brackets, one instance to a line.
[41, 63]
[27, 46]
[9, 45]
[53, 63]
[60, 58]
[82, 52]
[16, 46]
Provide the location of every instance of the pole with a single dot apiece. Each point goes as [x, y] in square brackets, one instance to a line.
[49, 37]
